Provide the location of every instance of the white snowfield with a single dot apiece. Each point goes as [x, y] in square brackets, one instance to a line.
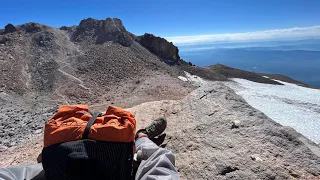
[288, 104]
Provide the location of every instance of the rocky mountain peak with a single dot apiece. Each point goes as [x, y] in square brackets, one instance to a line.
[112, 29]
[100, 31]
[159, 46]
[9, 28]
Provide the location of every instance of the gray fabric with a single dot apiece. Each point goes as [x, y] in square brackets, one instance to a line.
[30, 172]
[156, 163]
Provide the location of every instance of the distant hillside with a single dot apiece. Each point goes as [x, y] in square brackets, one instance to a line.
[230, 72]
[285, 79]
[237, 73]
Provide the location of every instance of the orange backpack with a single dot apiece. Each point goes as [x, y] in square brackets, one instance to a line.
[69, 123]
[80, 145]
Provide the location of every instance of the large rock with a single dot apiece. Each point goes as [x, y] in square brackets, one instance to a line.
[31, 27]
[44, 39]
[68, 28]
[101, 31]
[159, 46]
[4, 39]
[9, 28]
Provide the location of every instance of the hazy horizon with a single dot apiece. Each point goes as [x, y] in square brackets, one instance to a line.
[299, 60]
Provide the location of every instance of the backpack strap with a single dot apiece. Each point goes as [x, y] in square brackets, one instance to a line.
[89, 124]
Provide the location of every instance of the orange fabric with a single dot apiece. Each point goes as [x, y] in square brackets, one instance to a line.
[68, 124]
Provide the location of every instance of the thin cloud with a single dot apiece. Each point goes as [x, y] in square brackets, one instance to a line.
[275, 34]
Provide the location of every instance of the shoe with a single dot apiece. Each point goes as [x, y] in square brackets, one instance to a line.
[155, 128]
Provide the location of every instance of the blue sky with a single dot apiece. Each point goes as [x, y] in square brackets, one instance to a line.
[168, 17]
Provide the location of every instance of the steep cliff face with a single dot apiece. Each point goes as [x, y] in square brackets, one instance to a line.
[101, 31]
[159, 46]
[112, 29]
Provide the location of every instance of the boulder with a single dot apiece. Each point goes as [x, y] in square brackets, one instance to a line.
[255, 158]
[9, 28]
[224, 168]
[159, 46]
[235, 124]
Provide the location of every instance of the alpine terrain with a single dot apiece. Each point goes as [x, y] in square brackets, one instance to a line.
[213, 132]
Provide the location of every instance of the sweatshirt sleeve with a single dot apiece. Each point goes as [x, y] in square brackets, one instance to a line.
[30, 172]
[156, 163]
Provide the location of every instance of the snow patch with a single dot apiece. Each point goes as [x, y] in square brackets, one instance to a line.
[288, 104]
[195, 80]
[182, 78]
[266, 77]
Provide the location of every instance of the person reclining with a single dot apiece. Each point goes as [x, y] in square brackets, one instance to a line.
[154, 162]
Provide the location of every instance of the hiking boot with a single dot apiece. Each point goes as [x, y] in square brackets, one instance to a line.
[155, 128]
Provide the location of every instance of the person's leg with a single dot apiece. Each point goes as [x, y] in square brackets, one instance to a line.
[144, 147]
[154, 160]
